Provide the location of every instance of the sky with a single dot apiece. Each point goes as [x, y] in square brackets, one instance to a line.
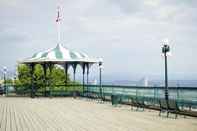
[127, 34]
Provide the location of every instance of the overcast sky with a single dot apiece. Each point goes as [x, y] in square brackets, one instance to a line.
[127, 34]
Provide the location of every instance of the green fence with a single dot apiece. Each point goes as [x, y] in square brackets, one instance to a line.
[186, 96]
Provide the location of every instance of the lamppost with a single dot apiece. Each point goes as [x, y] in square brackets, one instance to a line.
[4, 77]
[165, 49]
[15, 75]
[100, 78]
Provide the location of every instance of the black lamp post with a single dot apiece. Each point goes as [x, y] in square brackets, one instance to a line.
[165, 49]
[4, 77]
[100, 78]
[15, 75]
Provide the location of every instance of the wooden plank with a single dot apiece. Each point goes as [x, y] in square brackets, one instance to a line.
[40, 114]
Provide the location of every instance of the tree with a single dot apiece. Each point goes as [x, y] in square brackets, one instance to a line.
[24, 75]
[56, 77]
[38, 76]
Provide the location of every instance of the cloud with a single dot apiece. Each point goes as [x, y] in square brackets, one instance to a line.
[12, 38]
[127, 34]
[159, 10]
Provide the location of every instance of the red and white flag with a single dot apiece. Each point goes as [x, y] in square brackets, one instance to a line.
[58, 15]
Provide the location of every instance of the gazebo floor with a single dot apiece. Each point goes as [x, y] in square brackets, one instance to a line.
[68, 114]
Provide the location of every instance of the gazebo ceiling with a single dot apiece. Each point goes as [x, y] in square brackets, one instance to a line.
[60, 54]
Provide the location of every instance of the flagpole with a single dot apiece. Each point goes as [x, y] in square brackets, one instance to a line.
[58, 25]
[58, 31]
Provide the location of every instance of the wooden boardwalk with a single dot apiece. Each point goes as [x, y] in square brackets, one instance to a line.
[68, 114]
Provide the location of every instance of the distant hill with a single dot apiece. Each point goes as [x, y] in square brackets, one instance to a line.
[172, 83]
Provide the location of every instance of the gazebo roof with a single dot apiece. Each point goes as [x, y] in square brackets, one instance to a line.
[60, 54]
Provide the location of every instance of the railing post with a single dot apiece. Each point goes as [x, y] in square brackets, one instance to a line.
[177, 93]
[136, 92]
[44, 65]
[4, 77]
[74, 65]
[154, 95]
[5, 88]
[66, 74]
[83, 77]
[50, 69]
[87, 81]
[32, 80]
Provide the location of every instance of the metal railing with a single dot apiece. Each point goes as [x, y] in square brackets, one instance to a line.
[186, 96]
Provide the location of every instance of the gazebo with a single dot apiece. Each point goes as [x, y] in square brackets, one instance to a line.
[62, 56]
